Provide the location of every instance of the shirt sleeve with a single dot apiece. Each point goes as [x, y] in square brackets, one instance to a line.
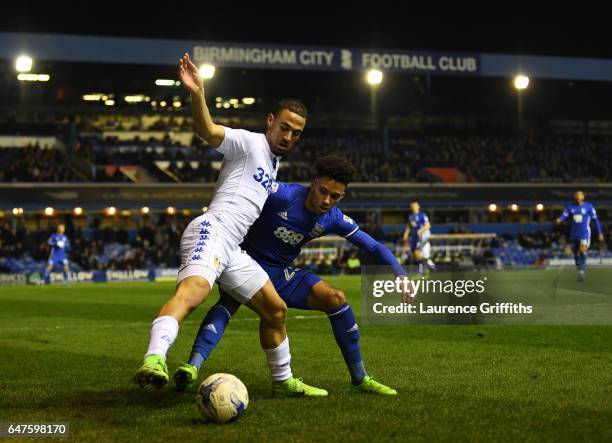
[595, 220]
[236, 143]
[381, 254]
[343, 225]
[565, 214]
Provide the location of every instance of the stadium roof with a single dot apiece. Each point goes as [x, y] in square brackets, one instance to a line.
[382, 27]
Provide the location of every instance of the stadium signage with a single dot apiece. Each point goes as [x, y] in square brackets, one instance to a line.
[95, 49]
[13, 279]
[339, 59]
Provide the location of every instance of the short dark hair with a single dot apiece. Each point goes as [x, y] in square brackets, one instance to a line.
[336, 168]
[291, 104]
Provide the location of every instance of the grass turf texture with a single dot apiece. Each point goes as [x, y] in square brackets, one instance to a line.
[69, 353]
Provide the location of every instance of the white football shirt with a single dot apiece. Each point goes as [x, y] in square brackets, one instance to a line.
[248, 171]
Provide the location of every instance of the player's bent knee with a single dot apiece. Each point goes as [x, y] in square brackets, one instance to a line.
[335, 299]
[278, 315]
[191, 292]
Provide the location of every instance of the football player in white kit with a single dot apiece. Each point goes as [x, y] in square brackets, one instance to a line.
[210, 244]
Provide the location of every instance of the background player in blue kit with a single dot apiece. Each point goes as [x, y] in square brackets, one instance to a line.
[292, 216]
[581, 214]
[59, 245]
[416, 237]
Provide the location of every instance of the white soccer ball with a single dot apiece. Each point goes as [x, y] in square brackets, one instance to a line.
[222, 398]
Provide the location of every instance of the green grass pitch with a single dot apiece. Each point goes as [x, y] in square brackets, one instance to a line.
[68, 353]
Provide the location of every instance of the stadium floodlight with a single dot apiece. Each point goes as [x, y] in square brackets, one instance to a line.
[33, 77]
[207, 71]
[248, 100]
[109, 102]
[93, 97]
[111, 211]
[233, 101]
[514, 207]
[126, 213]
[23, 63]
[539, 207]
[492, 207]
[78, 211]
[163, 103]
[134, 98]
[177, 104]
[204, 208]
[170, 210]
[521, 82]
[144, 210]
[49, 211]
[17, 211]
[186, 212]
[374, 77]
[164, 82]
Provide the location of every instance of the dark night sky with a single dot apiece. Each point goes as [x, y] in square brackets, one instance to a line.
[580, 36]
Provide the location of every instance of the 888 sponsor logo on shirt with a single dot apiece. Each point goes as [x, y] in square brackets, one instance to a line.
[288, 236]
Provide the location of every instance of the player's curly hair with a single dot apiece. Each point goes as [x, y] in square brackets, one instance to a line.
[292, 104]
[335, 167]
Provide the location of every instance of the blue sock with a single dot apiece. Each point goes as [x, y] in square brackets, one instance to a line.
[583, 259]
[345, 329]
[211, 330]
[47, 277]
[65, 276]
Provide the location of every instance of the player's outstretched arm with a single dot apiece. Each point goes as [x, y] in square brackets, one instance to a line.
[384, 256]
[378, 251]
[600, 236]
[194, 83]
[563, 216]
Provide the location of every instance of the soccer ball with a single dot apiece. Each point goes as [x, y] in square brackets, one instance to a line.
[222, 398]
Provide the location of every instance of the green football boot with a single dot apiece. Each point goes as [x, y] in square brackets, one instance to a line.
[184, 376]
[295, 387]
[152, 372]
[372, 386]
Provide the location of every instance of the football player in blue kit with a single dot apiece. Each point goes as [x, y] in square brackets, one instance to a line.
[293, 216]
[581, 214]
[59, 245]
[416, 237]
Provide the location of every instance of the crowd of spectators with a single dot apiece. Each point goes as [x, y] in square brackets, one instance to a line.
[407, 159]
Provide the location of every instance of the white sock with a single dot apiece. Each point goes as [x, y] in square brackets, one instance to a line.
[279, 361]
[163, 334]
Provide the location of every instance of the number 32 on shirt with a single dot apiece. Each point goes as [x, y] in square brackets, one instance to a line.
[263, 179]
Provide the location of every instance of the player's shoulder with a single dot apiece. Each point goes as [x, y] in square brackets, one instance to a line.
[287, 192]
[279, 187]
[336, 215]
[240, 137]
[241, 132]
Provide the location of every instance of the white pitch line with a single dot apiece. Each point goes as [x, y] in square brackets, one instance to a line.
[140, 323]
